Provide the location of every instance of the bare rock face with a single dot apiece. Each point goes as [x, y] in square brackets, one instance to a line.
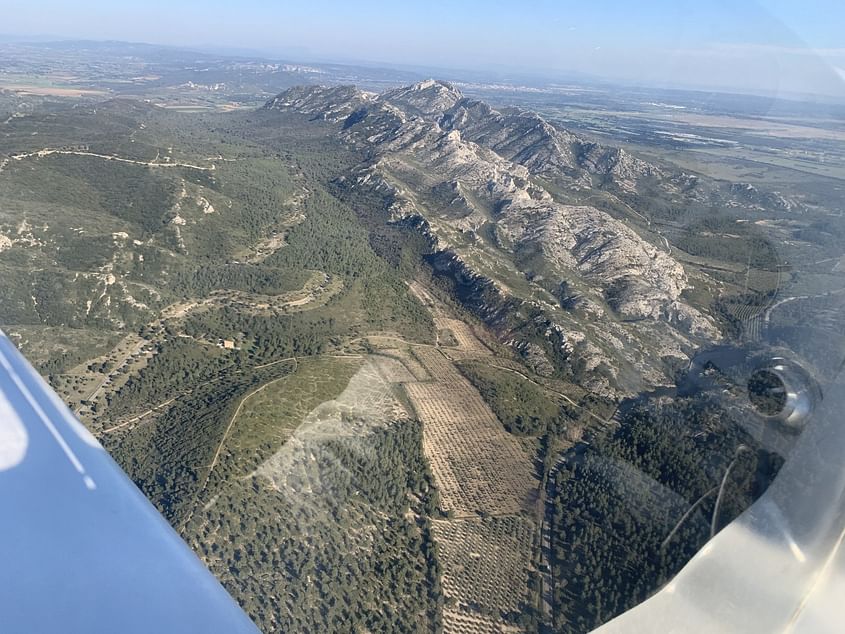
[535, 358]
[522, 137]
[467, 175]
[625, 168]
[332, 104]
[426, 98]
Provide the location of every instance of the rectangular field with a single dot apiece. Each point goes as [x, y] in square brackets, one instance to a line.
[477, 465]
[485, 561]
[437, 366]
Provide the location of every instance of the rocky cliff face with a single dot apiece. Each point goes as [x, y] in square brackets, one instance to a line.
[471, 177]
[332, 104]
[427, 98]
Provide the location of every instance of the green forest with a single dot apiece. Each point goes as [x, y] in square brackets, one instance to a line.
[617, 502]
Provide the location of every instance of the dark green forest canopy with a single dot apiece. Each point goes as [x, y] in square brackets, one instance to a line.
[618, 500]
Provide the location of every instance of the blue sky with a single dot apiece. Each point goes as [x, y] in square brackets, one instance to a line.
[771, 45]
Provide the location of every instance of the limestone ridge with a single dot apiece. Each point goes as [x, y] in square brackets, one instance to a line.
[578, 284]
[331, 104]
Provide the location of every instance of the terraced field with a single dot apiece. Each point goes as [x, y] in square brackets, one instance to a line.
[410, 362]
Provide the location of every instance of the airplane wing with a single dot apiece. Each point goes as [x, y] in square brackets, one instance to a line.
[81, 548]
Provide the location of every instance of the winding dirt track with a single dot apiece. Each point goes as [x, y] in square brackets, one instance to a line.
[109, 157]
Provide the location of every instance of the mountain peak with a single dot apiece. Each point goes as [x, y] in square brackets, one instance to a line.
[437, 84]
[427, 97]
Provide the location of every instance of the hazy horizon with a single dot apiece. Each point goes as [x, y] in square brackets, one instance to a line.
[767, 47]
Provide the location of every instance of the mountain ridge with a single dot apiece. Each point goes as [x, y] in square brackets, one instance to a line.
[467, 174]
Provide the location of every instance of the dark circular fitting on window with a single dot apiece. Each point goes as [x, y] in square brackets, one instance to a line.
[767, 392]
[783, 392]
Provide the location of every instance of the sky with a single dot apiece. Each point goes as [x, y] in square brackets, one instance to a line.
[772, 46]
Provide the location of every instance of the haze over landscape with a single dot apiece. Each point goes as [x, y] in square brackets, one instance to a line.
[771, 46]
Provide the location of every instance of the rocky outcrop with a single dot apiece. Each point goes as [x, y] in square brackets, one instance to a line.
[332, 104]
[467, 175]
[752, 197]
[426, 98]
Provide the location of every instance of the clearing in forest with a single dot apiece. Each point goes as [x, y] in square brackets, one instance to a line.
[271, 416]
[367, 401]
[477, 465]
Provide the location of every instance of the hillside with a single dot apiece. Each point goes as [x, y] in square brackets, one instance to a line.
[370, 353]
[504, 200]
